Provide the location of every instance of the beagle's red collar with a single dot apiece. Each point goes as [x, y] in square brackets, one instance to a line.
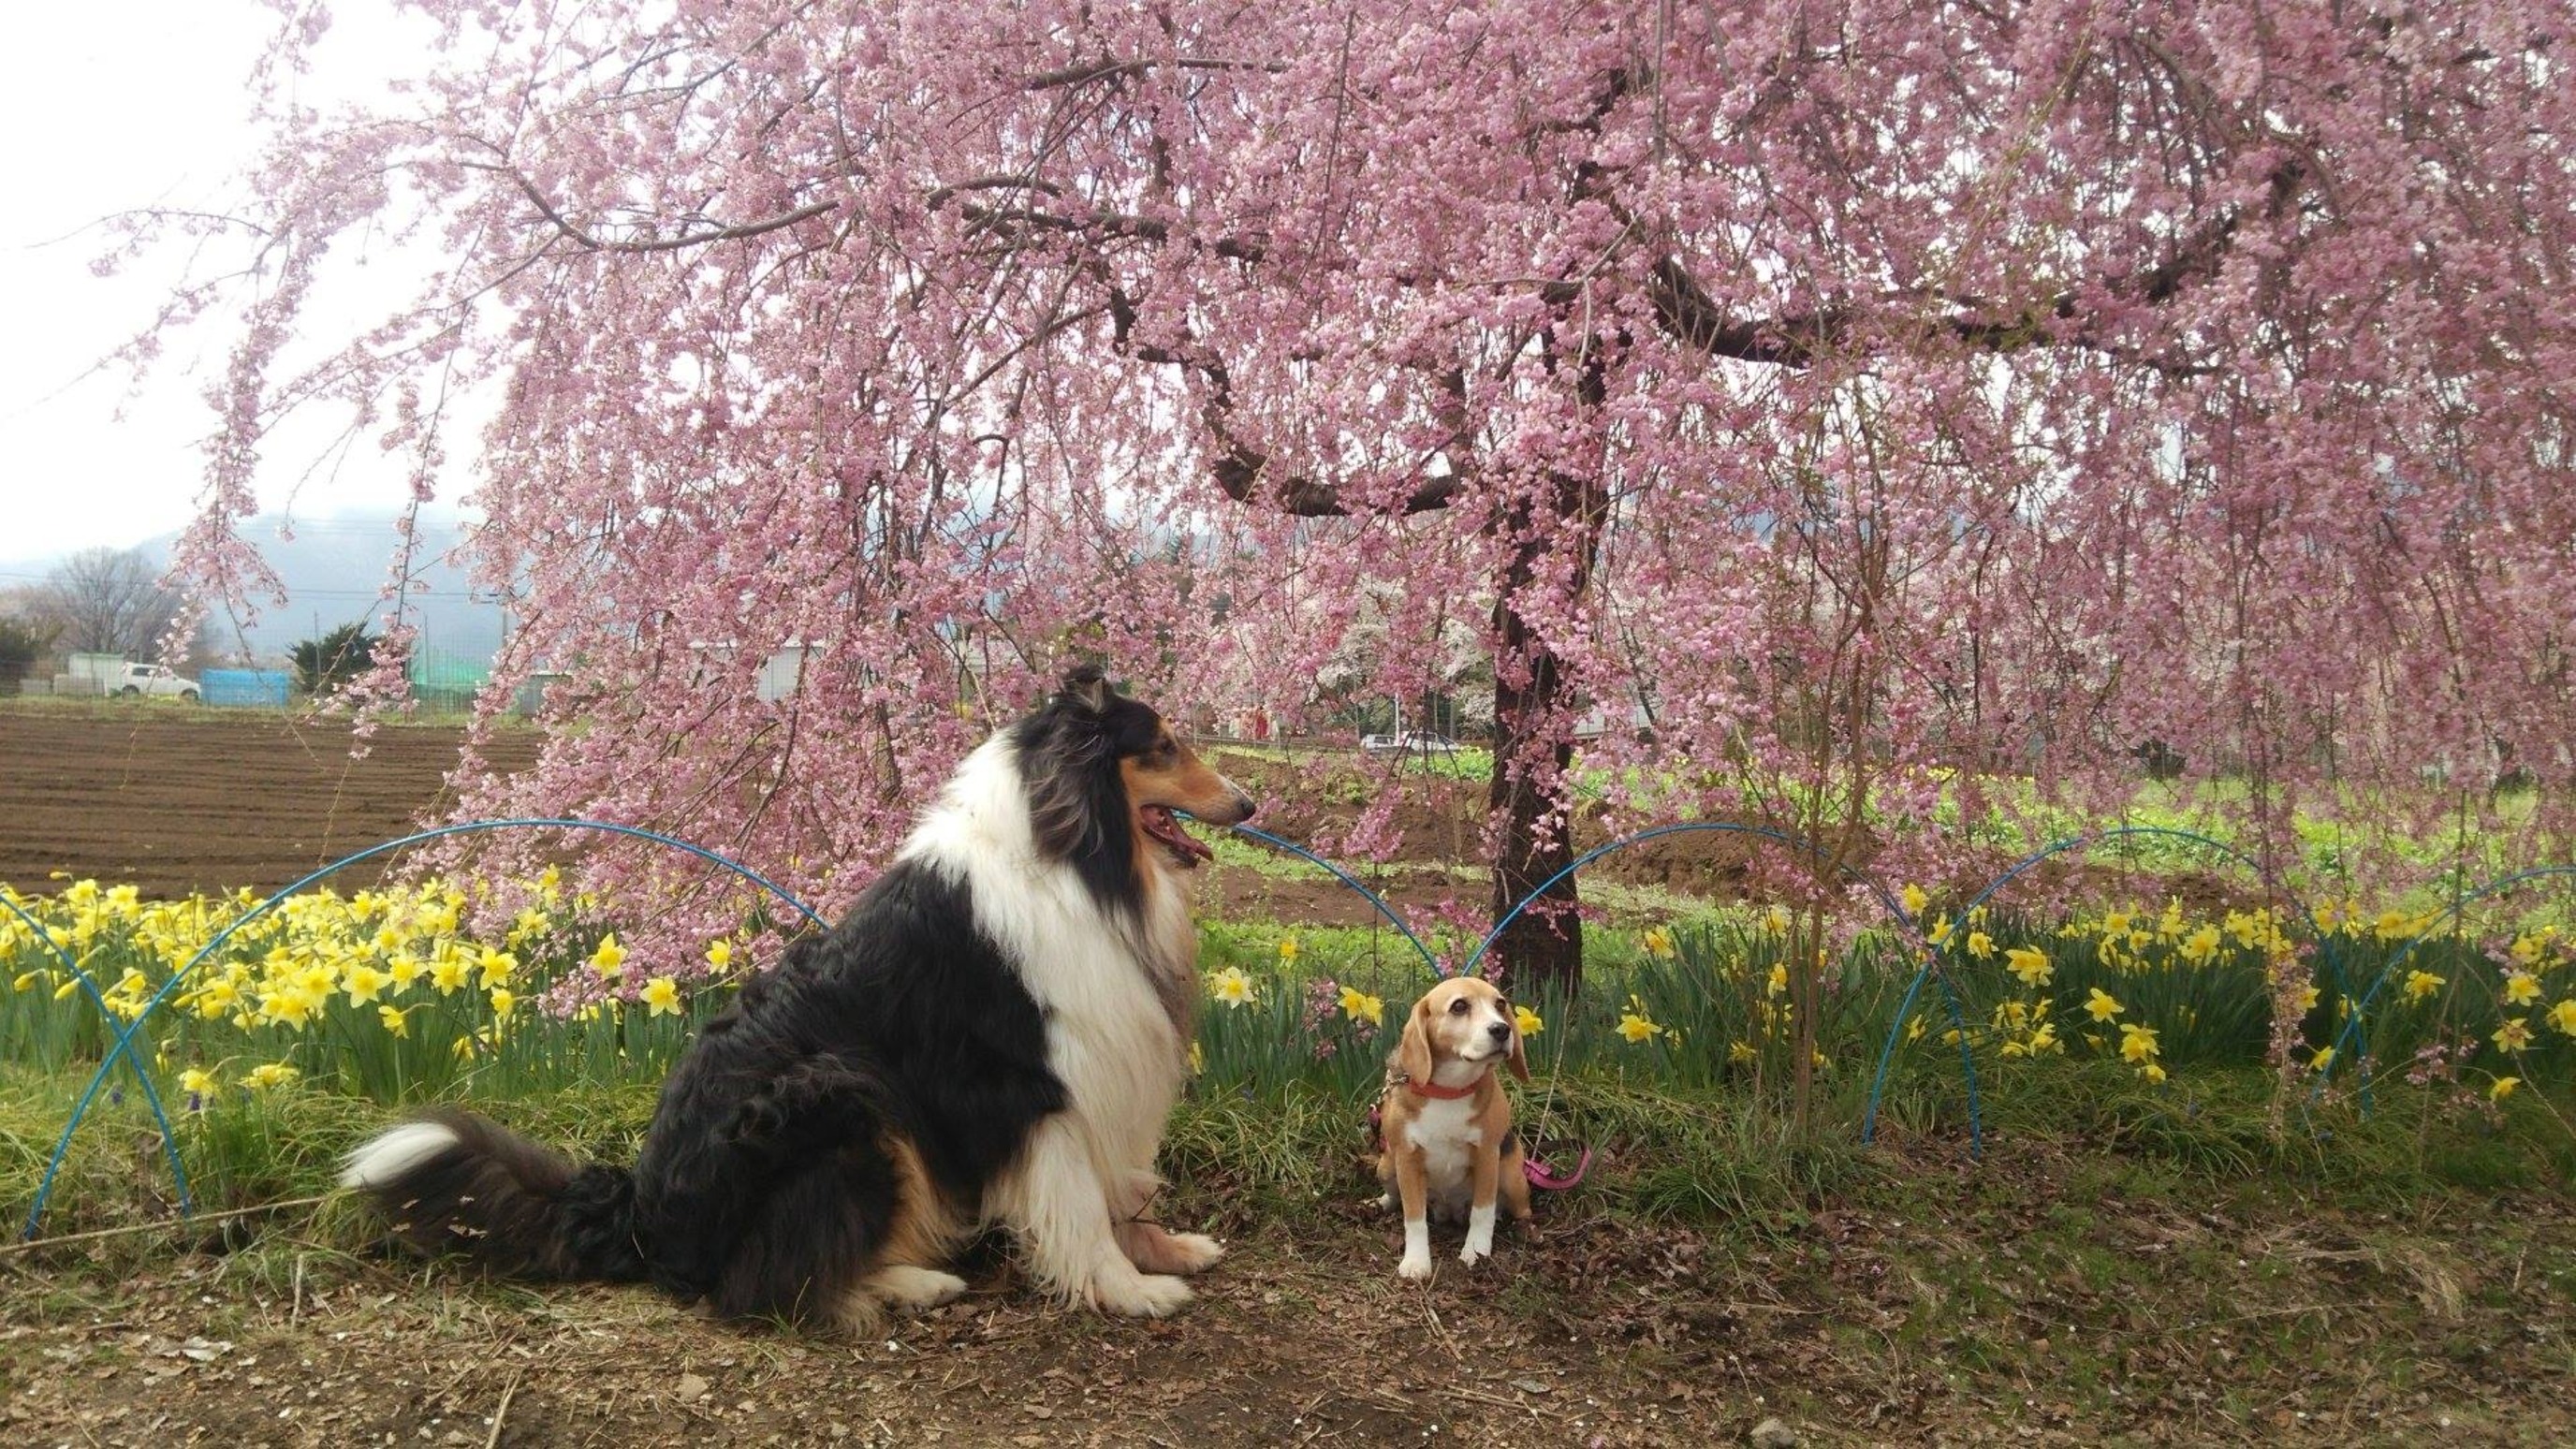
[1439, 1093]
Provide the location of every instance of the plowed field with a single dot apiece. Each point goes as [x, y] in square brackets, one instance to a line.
[175, 800]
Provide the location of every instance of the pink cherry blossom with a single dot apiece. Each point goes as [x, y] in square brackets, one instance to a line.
[1859, 390]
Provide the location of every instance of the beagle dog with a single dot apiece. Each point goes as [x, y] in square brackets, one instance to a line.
[1448, 1146]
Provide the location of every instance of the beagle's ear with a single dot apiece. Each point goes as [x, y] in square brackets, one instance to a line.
[1413, 1051]
[1518, 1061]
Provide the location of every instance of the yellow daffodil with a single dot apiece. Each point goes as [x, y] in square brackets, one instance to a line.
[2323, 1059]
[1915, 900]
[1980, 945]
[197, 1081]
[2101, 1005]
[395, 1020]
[364, 983]
[1658, 942]
[609, 960]
[719, 956]
[2246, 928]
[1529, 1024]
[2200, 946]
[2169, 926]
[1360, 1006]
[2563, 1016]
[1198, 1058]
[2420, 984]
[2513, 1036]
[2521, 989]
[1939, 934]
[1289, 950]
[2502, 1088]
[1635, 1025]
[1777, 983]
[2138, 1043]
[503, 999]
[270, 1074]
[662, 996]
[2033, 967]
[1232, 987]
[2153, 1072]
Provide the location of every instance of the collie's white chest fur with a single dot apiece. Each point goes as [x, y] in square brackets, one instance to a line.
[1110, 1039]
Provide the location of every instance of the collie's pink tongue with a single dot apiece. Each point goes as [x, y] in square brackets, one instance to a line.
[1160, 825]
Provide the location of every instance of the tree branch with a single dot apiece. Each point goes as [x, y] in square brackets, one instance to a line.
[1075, 75]
[1690, 315]
[588, 242]
[1104, 223]
[1241, 471]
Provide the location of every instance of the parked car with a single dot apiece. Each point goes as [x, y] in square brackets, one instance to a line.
[136, 680]
[1408, 742]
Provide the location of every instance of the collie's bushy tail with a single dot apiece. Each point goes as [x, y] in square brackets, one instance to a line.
[451, 1182]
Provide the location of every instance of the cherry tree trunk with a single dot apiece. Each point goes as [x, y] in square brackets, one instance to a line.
[1541, 948]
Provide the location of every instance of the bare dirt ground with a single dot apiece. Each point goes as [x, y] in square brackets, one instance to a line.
[175, 800]
[2011, 1301]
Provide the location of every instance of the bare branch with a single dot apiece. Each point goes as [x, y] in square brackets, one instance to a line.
[1107, 223]
[587, 242]
[1075, 75]
[940, 196]
[1241, 471]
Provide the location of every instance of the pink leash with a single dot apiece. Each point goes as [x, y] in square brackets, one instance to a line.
[1542, 1176]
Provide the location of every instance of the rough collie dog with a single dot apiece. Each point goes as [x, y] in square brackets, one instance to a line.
[992, 1036]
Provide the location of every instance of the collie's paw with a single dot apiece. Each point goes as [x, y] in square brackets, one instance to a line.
[1416, 1266]
[1138, 1295]
[915, 1288]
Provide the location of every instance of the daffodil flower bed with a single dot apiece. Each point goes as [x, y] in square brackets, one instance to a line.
[2152, 995]
[394, 995]
[388, 994]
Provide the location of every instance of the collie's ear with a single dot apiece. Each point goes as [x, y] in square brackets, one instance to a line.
[1413, 1051]
[1086, 687]
[1518, 1061]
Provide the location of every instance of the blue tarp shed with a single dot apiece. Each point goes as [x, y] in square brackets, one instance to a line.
[253, 688]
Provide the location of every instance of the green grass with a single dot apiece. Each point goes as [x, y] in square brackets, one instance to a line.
[1244, 1150]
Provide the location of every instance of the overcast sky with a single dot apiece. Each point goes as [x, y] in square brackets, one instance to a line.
[112, 105]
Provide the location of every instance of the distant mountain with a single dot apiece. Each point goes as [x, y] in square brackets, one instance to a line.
[334, 570]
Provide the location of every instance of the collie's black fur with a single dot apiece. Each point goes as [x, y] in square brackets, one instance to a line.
[854, 1110]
